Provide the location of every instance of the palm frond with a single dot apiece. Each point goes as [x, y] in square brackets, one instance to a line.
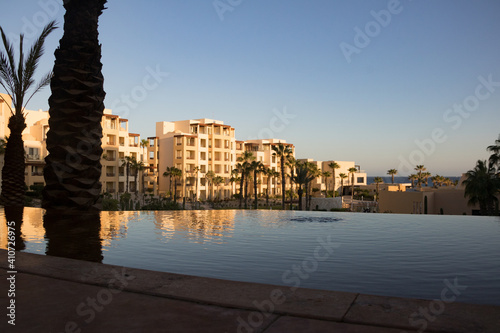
[20, 70]
[11, 64]
[35, 54]
[43, 82]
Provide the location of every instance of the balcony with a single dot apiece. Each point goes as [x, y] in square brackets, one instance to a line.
[37, 173]
[110, 174]
[33, 157]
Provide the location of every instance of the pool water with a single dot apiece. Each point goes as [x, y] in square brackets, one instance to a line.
[383, 254]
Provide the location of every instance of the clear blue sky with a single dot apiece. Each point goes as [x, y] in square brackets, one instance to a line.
[367, 97]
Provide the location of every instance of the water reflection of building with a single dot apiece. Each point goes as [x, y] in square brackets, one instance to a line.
[114, 225]
[198, 226]
[31, 227]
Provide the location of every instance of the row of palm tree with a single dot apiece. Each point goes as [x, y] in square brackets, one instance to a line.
[482, 184]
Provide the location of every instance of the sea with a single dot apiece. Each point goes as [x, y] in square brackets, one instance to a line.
[401, 179]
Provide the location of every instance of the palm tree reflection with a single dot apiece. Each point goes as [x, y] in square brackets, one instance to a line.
[73, 236]
[15, 214]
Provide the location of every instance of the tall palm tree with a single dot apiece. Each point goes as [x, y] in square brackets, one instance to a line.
[268, 172]
[17, 80]
[352, 171]
[333, 165]
[234, 179]
[176, 173]
[302, 178]
[282, 152]
[426, 176]
[76, 109]
[136, 166]
[494, 160]
[196, 170]
[244, 167]
[217, 180]
[127, 163]
[377, 181]
[413, 178]
[342, 177]
[326, 175]
[209, 176]
[420, 169]
[168, 173]
[291, 163]
[256, 167]
[392, 173]
[240, 168]
[314, 172]
[482, 187]
[276, 176]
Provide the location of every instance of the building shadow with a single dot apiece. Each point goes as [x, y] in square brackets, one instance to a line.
[75, 236]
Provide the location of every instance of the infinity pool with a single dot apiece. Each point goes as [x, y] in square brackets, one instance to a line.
[393, 255]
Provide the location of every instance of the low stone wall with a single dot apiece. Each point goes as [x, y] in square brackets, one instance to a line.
[324, 203]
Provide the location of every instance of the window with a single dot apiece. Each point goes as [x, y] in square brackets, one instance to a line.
[203, 156]
[203, 168]
[203, 143]
[360, 180]
[151, 155]
[178, 154]
[178, 141]
[151, 142]
[33, 154]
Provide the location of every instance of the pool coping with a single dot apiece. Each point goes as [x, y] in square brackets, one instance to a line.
[279, 301]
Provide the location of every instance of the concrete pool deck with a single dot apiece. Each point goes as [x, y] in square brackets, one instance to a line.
[55, 294]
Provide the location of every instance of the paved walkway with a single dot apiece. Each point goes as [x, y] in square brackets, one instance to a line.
[64, 295]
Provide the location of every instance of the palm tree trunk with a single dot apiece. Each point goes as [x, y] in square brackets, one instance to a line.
[283, 182]
[242, 181]
[73, 170]
[267, 191]
[333, 183]
[175, 189]
[306, 189]
[127, 170]
[246, 193]
[13, 186]
[299, 192]
[255, 189]
[291, 190]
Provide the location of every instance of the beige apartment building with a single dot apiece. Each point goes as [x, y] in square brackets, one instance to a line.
[117, 143]
[195, 146]
[327, 183]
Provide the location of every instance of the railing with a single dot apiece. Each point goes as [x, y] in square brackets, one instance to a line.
[37, 173]
[33, 157]
[110, 174]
